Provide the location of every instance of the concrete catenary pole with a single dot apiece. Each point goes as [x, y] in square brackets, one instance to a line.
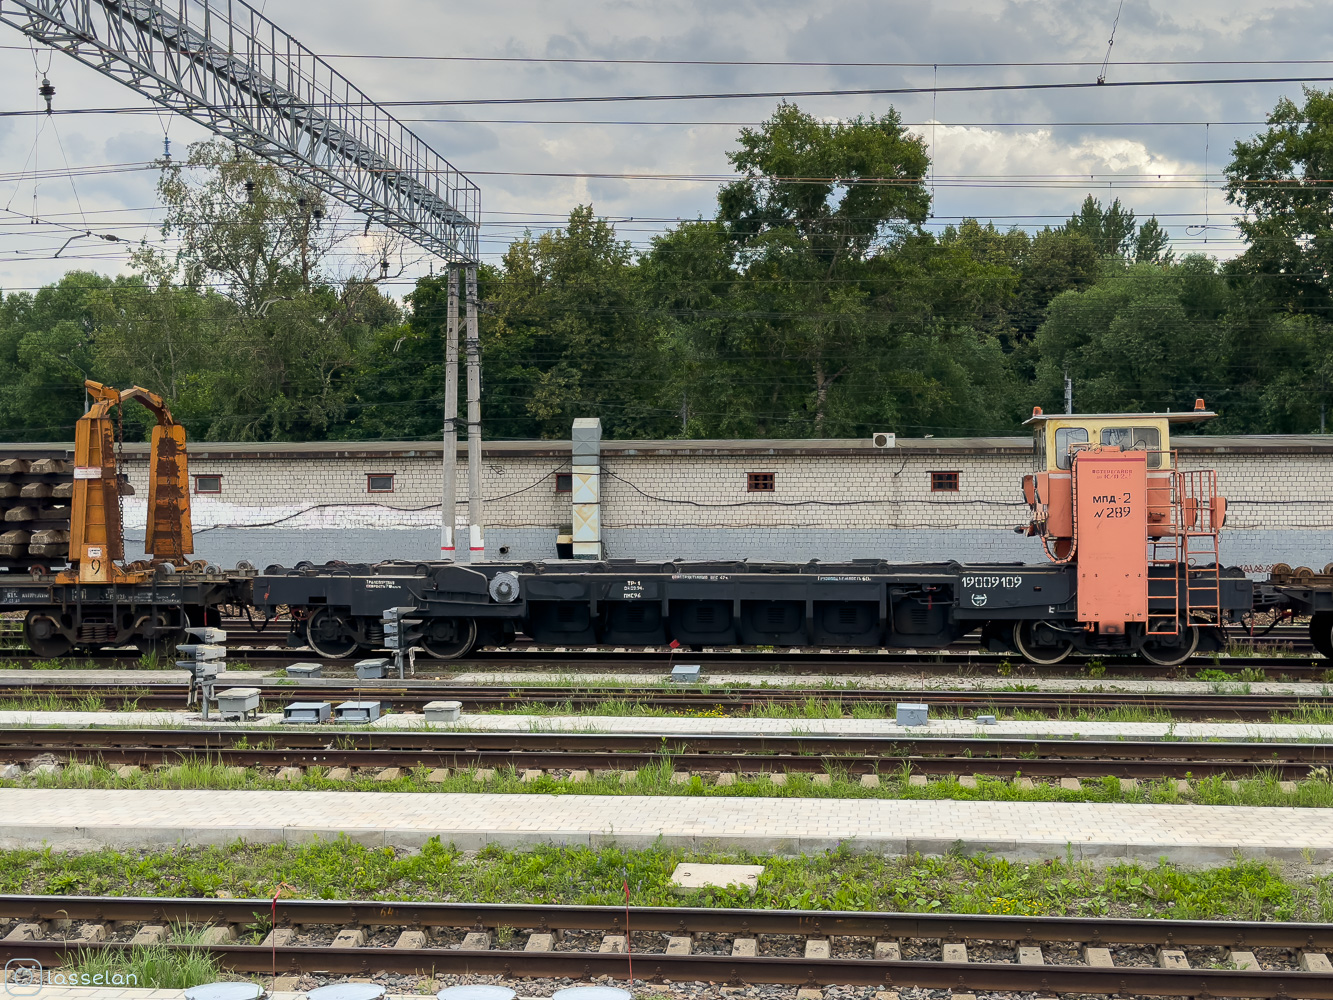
[476, 543]
[448, 515]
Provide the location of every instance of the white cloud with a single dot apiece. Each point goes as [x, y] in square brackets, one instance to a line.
[848, 30]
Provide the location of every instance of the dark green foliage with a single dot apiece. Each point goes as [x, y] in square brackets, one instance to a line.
[1282, 181]
[815, 305]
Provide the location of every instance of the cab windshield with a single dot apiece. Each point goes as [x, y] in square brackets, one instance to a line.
[1136, 439]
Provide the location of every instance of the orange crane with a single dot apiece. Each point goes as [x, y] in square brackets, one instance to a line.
[96, 536]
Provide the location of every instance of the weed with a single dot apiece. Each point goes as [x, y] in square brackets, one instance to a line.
[838, 879]
[1006, 668]
[146, 967]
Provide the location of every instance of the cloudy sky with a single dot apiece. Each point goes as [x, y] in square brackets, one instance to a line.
[1022, 158]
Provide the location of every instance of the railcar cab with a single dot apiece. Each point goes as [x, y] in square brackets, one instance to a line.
[1139, 536]
[1057, 438]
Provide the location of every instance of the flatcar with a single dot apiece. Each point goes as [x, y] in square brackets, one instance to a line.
[1132, 566]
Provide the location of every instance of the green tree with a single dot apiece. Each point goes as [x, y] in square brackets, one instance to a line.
[1111, 230]
[46, 352]
[1145, 338]
[1056, 261]
[284, 353]
[1151, 244]
[1283, 182]
[568, 338]
[814, 200]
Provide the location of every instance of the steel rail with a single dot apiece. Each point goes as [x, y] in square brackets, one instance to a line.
[942, 662]
[574, 751]
[738, 922]
[404, 695]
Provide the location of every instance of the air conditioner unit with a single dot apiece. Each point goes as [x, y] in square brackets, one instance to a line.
[883, 439]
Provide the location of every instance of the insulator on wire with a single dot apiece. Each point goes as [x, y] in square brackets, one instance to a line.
[166, 148]
[384, 268]
[249, 192]
[47, 91]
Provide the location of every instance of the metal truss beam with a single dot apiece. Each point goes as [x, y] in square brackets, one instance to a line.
[229, 68]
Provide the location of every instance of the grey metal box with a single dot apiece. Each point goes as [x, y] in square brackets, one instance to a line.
[912, 715]
[357, 711]
[444, 711]
[238, 701]
[684, 673]
[307, 711]
[986, 720]
[369, 670]
[586, 439]
[198, 653]
[305, 670]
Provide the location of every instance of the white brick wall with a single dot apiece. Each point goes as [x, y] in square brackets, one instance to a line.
[663, 500]
[647, 488]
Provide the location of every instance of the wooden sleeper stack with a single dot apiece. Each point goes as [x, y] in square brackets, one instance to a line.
[35, 495]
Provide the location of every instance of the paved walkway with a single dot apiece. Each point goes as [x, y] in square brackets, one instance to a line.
[120, 993]
[871, 727]
[683, 726]
[1188, 834]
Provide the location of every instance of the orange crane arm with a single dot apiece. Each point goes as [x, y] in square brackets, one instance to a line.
[96, 533]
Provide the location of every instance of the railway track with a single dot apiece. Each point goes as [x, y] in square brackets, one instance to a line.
[1096, 955]
[950, 664]
[702, 754]
[1297, 659]
[413, 696]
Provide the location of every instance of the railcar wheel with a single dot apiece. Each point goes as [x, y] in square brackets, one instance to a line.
[1171, 651]
[43, 636]
[164, 639]
[449, 638]
[1041, 643]
[1321, 633]
[330, 636]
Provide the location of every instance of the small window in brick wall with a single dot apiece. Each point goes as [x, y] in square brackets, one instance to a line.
[564, 482]
[208, 484]
[379, 482]
[760, 482]
[944, 482]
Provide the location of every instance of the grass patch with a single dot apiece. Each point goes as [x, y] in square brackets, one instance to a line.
[33, 701]
[144, 967]
[657, 777]
[835, 880]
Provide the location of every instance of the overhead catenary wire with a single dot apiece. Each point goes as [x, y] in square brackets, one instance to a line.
[977, 88]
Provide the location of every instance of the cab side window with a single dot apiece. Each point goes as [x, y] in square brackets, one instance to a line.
[1065, 438]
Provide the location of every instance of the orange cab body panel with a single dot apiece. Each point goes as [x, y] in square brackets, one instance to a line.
[1112, 513]
[1059, 505]
[1159, 503]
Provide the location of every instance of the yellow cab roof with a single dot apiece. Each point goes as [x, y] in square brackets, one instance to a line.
[1180, 417]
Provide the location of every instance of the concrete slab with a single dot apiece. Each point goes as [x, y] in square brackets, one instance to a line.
[687, 726]
[1184, 834]
[689, 877]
